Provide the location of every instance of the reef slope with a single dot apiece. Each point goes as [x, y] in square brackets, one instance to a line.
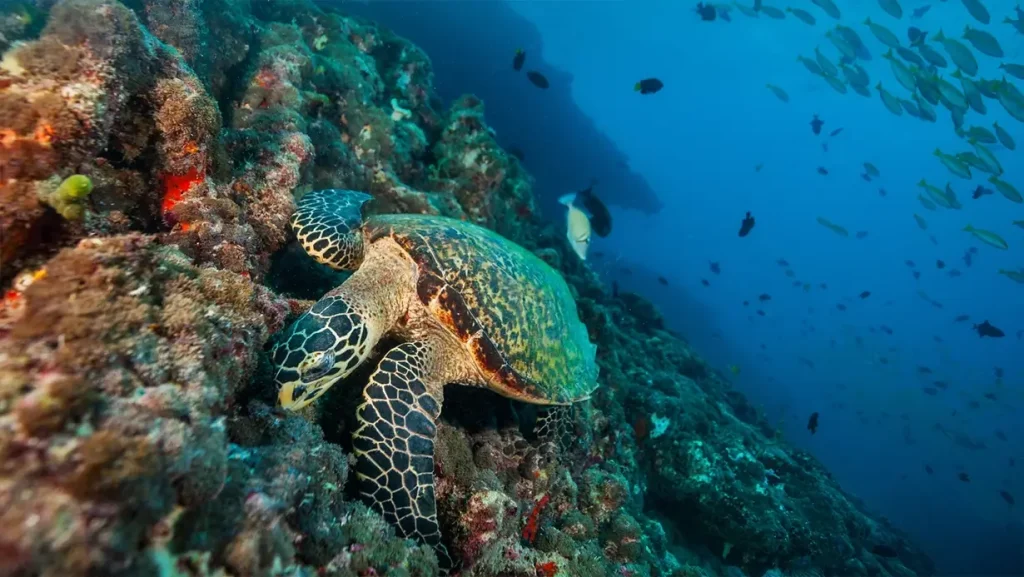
[151, 154]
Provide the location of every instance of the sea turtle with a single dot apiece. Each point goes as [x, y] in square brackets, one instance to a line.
[470, 306]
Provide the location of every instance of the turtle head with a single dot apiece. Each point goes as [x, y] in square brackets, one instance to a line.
[320, 348]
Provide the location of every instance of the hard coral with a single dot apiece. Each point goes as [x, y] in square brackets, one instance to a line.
[122, 391]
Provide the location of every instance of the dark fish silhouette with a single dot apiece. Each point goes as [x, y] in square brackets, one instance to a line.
[939, 264]
[705, 282]
[981, 191]
[746, 225]
[600, 218]
[822, 171]
[987, 329]
[919, 12]
[861, 234]
[916, 36]
[928, 469]
[764, 297]
[961, 318]
[662, 281]
[518, 59]
[835, 132]
[715, 268]
[865, 294]
[706, 12]
[538, 79]
[909, 263]
[964, 477]
[1007, 497]
[841, 306]
[782, 262]
[760, 312]
[917, 274]
[651, 85]
[812, 423]
[816, 124]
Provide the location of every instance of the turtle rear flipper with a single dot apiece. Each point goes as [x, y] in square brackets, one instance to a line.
[327, 224]
[394, 443]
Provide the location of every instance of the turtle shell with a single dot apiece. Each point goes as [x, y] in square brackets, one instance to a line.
[514, 312]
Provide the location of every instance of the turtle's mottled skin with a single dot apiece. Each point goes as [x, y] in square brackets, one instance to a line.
[471, 307]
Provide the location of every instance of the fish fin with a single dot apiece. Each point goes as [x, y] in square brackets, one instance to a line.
[567, 199]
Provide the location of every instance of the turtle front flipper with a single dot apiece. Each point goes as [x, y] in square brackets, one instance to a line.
[394, 443]
[327, 224]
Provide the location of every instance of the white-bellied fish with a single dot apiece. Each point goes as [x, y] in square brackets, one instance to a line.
[746, 10]
[971, 93]
[1011, 99]
[811, 65]
[892, 8]
[950, 195]
[910, 56]
[988, 237]
[977, 10]
[983, 42]
[953, 164]
[802, 15]
[826, 65]
[841, 231]
[1015, 70]
[835, 83]
[925, 108]
[1014, 275]
[903, 74]
[961, 54]
[829, 7]
[1006, 189]
[950, 95]
[932, 56]
[987, 158]
[979, 133]
[883, 34]
[841, 45]
[854, 40]
[890, 101]
[856, 75]
[1004, 137]
[577, 226]
[778, 92]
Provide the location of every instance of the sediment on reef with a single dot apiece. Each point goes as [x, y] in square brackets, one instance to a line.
[151, 155]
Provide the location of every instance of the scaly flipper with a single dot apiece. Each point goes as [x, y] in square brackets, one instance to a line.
[395, 441]
[327, 223]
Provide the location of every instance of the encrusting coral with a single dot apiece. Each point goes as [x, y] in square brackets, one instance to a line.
[151, 155]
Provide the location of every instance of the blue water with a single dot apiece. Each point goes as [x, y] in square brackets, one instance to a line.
[695, 146]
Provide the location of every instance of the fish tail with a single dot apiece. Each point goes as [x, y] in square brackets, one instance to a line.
[636, 87]
[968, 228]
[567, 199]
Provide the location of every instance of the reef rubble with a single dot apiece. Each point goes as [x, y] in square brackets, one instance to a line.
[150, 156]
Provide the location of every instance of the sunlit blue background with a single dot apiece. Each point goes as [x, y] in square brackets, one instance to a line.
[695, 145]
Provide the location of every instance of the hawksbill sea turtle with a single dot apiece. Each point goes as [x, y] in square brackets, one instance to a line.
[469, 306]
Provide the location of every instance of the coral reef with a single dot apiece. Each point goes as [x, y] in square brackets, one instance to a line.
[151, 154]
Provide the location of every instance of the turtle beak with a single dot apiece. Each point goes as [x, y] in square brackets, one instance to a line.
[288, 398]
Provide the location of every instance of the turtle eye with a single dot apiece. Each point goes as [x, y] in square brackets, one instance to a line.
[318, 364]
